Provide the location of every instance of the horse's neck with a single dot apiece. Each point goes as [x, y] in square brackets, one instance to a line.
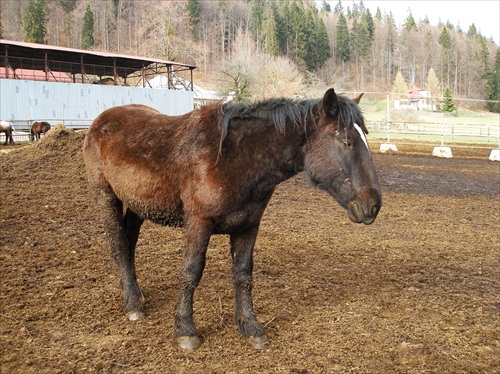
[279, 152]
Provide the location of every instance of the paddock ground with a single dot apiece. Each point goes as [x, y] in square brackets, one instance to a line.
[416, 292]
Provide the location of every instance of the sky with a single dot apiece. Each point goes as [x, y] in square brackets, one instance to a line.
[485, 14]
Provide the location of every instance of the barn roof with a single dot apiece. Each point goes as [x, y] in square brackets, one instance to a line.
[22, 55]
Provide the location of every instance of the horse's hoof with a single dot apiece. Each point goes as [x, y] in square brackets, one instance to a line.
[136, 316]
[259, 342]
[189, 342]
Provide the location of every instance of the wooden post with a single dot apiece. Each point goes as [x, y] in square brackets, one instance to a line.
[6, 62]
[82, 68]
[192, 86]
[46, 67]
[115, 74]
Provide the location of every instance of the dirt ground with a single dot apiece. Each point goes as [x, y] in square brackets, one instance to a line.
[416, 292]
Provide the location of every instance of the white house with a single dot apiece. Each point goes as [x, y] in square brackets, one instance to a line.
[418, 99]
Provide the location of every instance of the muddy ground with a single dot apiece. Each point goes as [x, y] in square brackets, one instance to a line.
[416, 292]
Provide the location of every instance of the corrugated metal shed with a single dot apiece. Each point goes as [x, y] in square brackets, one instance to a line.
[14, 55]
[24, 98]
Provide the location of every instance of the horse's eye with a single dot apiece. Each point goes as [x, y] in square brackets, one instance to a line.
[347, 143]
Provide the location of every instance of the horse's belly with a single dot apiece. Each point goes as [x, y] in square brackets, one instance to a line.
[240, 220]
[164, 214]
[150, 198]
[171, 218]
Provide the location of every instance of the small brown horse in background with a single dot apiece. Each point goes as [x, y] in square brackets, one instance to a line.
[37, 129]
[213, 171]
[7, 128]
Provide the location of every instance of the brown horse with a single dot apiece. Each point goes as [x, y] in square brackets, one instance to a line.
[213, 171]
[6, 127]
[37, 129]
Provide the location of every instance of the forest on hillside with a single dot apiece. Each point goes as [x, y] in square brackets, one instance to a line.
[260, 48]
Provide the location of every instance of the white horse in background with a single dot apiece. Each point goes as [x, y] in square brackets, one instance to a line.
[7, 128]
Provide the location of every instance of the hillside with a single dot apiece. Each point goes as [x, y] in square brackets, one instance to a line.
[254, 46]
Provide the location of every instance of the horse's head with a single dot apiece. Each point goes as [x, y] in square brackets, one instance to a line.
[339, 161]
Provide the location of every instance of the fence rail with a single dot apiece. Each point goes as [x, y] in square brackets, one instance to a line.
[434, 131]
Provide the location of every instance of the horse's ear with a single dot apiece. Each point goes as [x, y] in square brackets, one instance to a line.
[357, 99]
[330, 102]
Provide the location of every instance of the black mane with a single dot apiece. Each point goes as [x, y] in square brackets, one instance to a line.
[280, 110]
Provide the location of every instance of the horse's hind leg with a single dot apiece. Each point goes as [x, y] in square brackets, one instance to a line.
[133, 225]
[122, 233]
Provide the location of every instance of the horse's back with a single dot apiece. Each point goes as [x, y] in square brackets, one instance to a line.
[131, 118]
[40, 127]
[141, 130]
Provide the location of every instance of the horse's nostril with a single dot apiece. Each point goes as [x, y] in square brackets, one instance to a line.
[375, 210]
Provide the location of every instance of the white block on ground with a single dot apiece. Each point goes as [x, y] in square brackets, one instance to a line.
[495, 155]
[442, 152]
[388, 147]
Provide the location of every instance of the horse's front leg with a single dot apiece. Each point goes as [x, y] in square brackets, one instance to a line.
[197, 236]
[242, 244]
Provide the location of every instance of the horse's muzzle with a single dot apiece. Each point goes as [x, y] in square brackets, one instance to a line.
[364, 207]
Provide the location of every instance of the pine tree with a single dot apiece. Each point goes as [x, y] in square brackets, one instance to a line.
[338, 8]
[258, 7]
[300, 32]
[361, 38]
[308, 41]
[445, 42]
[269, 33]
[68, 5]
[281, 14]
[448, 103]
[494, 85]
[410, 23]
[194, 11]
[325, 7]
[472, 31]
[317, 49]
[35, 21]
[368, 20]
[322, 44]
[343, 50]
[445, 39]
[484, 53]
[88, 29]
